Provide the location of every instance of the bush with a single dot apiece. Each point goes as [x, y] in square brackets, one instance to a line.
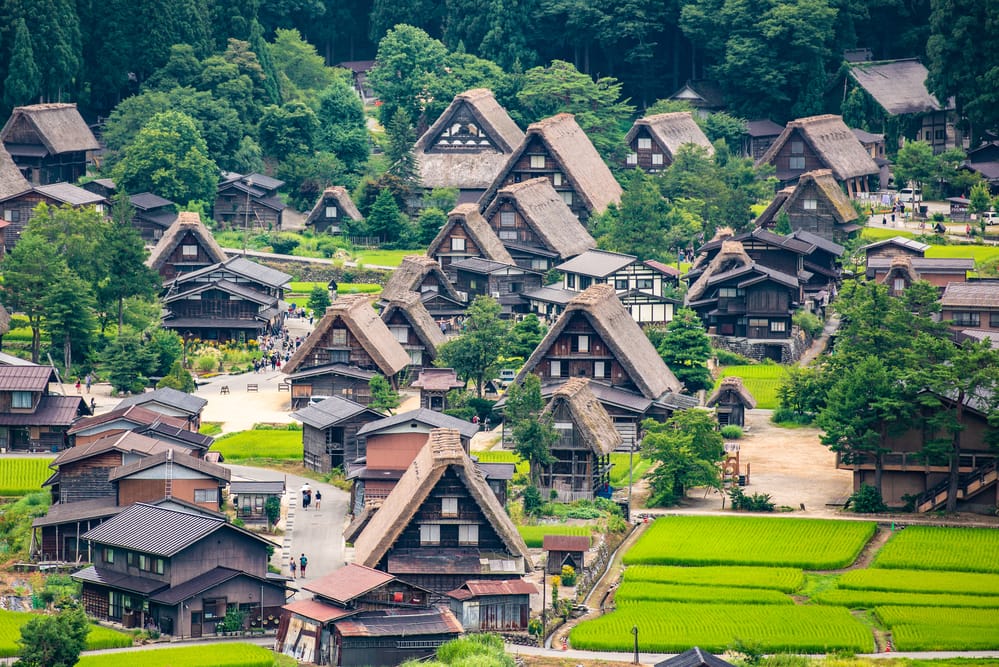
[284, 244]
[788, 416]
[206, 363]
[758, 502]
[726, 358]
[808, 322]
[532, 500]
[731, 432]
[867, 500]
[568, 575]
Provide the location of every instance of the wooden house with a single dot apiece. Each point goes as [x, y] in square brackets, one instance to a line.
[192, 440]
[596, 338]
[653, 141]
[170, 474]
[731, 400]
[104, 187]
[537, 228]
[50, 143]
[12, 185]
[704, 95]
[897, 245]
[467, 145]
[434, 385]
[902, 270]
[249, 498]
[329, 432]
[413, 327]
[186, 246]
[334, 212]
[984, 161]
[120, 420]
[816, 204]
[642, 287]
[504, 282]
[171, 402]
[31, 418]
[493, 606]
[747, 304]
[465, 235]
[359, 75]
[389, 445]
[234, 300]
[177, 571]
[586, 438]
[360, 616]
[558, 149]
[248, 202]
[972, 305]
[349, 334]
[20, 209]
[874, 144]
[441, 525]
[695, 657]
[759, 136]
[823, 264]
[821, 142]
[152, 215]
[896, 93]
[423, 275]
[565, 550]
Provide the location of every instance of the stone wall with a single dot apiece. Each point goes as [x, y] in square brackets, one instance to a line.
[790, 349]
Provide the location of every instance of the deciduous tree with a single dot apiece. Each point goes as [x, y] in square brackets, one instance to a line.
[124, 272]
[408, 62]
[533, 433]
[29, 271]
[69, 315]
[53, 641]
[475, 353]
[688, 449]
[342, 125]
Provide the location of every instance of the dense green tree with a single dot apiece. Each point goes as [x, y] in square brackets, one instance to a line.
[301, 71]
[385, 220]
[57, 44]
[803, 391]
[249, 157]
[475, 353]
[169, 157]
[224, 81]
[76, 235]
[569, 24]
[308, 175]
[319, 300]
[688, 450]
[686, 348]
[399, 153]
[24, 81]
[29, 271]
[408, 63]
[525, 335]
[429, 222]
[53, 641]
[720, 125]
[388, 15]
[915, 164]
[533, 433]
[342, 125]
[980, 201]
[464, 71]
[178, 378]
[384, 397]
[69, 315]
[597, 105]
[505, 41]
[128, 363]
[181, 70]
[289, 129]
[124, 273]
[260, 49]
[165, 347]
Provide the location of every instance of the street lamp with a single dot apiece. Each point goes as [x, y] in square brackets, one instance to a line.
[634, 631]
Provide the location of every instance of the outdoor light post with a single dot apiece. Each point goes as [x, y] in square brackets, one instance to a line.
[634, 631]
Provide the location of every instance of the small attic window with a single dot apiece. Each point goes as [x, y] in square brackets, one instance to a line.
[413, 425]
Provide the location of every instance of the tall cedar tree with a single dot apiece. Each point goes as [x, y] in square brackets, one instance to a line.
[402, 162]
[475, 353]
[24, 81]
[125, 272]
[385, 220]
[524, 336]
[686, 348]
[688, 449]
[128, 363]
[533, 433]
[259, 48]
[29, 271]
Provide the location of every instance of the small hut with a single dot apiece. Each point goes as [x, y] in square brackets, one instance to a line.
[565, 550]
[434, 385]
[731, 400]
[695, 657]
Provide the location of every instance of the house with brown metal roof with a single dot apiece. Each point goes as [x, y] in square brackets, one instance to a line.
[178, 571]
[20, 209]
[565, 550]
[493, 606]
[334, 212]
[31, 417]
[654, 140]
[558, 149]
[896, 245]
[759, 136]
[821, 142]
[535, 225]
[152, 215]
[972, 305]
[441, 525]
[434, 385]
[329, 432]
[506, 283]
[349, 334]
[467, 145]
[815, 204]
[186, 246]
[171, 402]
[119, 420]
[413, 327]
[465, 235]
[900, 271]
[423, 275]
[50, 143]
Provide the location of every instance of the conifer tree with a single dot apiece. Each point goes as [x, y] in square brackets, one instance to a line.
[24, 81]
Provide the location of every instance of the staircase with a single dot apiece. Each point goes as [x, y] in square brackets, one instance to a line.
[971, 483]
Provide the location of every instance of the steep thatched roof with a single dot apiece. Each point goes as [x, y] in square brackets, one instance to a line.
[12, 181]
[629, 345]
[59, 127]
[442, 451]
[468, 169]
[4, 320]
[732, 384]
[578, 160]
[672, 130]
[360, 318]
[592, 422]
[187, 221]
[900, 267]
[477, 229]
[898, 86]
[833, 143]
[344, 203]
[732, 255]
[556, 226]
[411, 273]
[842, 208]
[416, 314]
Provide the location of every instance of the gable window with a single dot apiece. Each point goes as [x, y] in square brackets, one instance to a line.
[557, 178]
[657, 158]
[339, 356]
[899, 285]
[401, 334]
[12, 215]
[189, 250]
[430, 533]
[508, 234]
[331, 211]
[20, 399]
[457, 244]
[539, 264]
[778, 325]
[644, 143]
[415, 357]
[581, 344]
[537, 162]
[584, 282]
[967, 319]
[632, 158]
[206, 495]
[810, 204]
[599, 369]
[797, 162]
[567, 198]
[797, 148]
[555, 369]
[508, 219]
[338, 337]
[728, 292]
[468, 534]
[449, 506]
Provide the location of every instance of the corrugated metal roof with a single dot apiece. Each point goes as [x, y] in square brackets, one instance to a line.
[51, 411]
[425, 417]
[438, 379]
[407, 622]
[274, 488]
[318, 611]
[69, 194]
[182, 459]
[135, 414]
[695, 657]
[598, 263]
[348, 582]
[478, 588]
[454, 561]
[197, 585]
[161, 431]
[566, 543]
[342, 370]
[112, 579]
[25, 378]
[500, 471]
[166, 396]
[79, 511]
[154, 530]
[126, 441]
[331, 411]
[147, 200]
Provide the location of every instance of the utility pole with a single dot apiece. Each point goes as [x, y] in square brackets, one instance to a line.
[246, 213]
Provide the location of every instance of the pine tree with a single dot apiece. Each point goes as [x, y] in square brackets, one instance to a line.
[402, 163]
[24, 81]
[260, 47]
[686, 349]
[385, 220]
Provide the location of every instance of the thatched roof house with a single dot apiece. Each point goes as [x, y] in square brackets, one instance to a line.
[12, 181]
[58, 127]
[815, 204]
[593, 425]
[821, 142]
[332, 210]
[732, 255]
[467, 234]
[534, 215]
[467, 145]
[369, 341]
[186, 243]
[557, 148]
[406, 309]
[391, 541]
[420, 274]
[731, 400]
[662, 135]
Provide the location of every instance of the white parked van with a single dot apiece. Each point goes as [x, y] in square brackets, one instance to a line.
[910, 194]
[990, 217]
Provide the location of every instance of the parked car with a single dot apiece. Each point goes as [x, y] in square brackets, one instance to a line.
[506, 376]
[990, 217]
[910, 194]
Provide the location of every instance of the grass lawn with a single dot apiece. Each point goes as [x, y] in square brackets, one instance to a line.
[762, 381]
[872, 234]
[10, 631]
[385, 257]
[260, 444]
[299, 287]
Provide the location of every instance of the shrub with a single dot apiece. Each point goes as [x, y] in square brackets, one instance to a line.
[206, 363]
[284, 244]
[568, 575]
[758, 502]
[808, 322]
[867, 500]
[731, 432]
[532, 500]
[789, 416]
[727, 358]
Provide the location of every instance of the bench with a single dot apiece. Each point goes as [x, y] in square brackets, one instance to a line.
[252, 387]
[225, 389]
[284, 386]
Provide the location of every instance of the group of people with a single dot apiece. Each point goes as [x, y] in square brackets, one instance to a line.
[277, 349]
[308, 496]
[302, 564]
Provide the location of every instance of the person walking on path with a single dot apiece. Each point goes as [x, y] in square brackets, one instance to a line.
[319, 499]
[78, 385]
[293, 576]
[302, 562]
[89, 380]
